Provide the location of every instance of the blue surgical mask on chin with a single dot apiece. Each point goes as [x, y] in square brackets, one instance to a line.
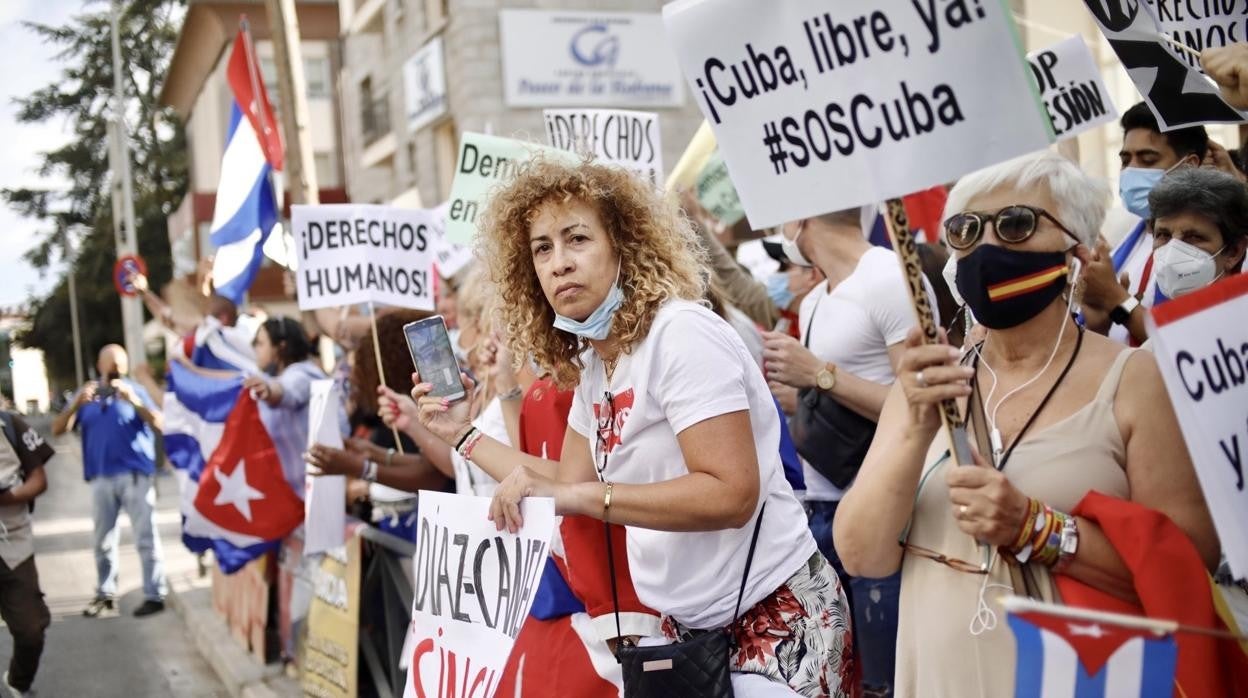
[778, 290]
[1136, 183]
[598, 325]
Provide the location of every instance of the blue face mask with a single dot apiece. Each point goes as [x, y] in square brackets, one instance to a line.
[598, 325]
[778, 290]
[1136, 183]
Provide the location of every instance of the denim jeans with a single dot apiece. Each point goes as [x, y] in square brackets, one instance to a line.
[136, 493]
[873, 603]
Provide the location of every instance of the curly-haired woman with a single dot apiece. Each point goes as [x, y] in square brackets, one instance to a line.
[672, 430]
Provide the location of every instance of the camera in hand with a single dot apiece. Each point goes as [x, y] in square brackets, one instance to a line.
[106, 388]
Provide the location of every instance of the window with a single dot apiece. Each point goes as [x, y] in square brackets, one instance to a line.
[316, 77]
[268, 71]
[326, 172]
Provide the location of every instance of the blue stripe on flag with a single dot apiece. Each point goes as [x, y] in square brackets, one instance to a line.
[230, 557]
[1161, 657]
[184, 453]
[1090, 686]
[1029, 672]
[209, 397]
[258, 210]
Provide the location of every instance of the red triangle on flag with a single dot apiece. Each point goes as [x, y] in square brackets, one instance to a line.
[242, 487]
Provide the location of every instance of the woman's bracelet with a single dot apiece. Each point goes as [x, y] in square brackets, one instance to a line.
[463, 437]
[369, 473]
[606, 500]
[1045, 537]
[389, 457]
[471, 444]
[512, 395]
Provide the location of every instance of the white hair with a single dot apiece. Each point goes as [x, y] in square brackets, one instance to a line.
[1081, 199]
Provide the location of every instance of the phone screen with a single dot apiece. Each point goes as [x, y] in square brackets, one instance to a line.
[433, 356]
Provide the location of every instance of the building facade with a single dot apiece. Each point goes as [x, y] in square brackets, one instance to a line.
[417, 73]
[197, 90]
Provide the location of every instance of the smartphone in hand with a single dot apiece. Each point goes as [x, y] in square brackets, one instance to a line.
[434, 357]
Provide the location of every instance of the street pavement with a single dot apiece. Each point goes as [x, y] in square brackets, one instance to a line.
[119, 655]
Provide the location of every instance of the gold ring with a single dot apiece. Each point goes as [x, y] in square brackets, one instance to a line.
[962, 510]
[918, 378]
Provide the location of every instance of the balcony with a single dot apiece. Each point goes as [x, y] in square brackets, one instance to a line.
[375, 118]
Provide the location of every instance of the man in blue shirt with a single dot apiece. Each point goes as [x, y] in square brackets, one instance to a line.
[118, 421]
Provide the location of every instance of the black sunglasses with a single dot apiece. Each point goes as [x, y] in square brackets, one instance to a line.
[1014, 224]
[606, 422]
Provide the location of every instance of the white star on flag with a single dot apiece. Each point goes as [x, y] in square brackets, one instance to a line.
[236, 491]
[1093, 630]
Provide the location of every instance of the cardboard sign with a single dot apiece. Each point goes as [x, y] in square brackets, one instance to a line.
[821, 106]
[325, 517]
[472, 591]
[630, 139]
[1201, 343]
[1175, 90]
[570, 58]
[331, 654]
[485, 162]
[716, 193]
[1071, 88]
[358, 253]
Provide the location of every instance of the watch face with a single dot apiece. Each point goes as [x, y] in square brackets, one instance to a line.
[826, 379]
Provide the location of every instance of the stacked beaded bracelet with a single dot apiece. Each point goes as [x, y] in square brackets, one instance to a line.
[1041, 537]
[469, 442]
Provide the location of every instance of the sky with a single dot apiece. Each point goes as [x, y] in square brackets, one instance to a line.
[29, 65]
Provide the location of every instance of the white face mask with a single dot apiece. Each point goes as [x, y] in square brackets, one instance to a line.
[1182, 268]
[791, 250]
[950, 272]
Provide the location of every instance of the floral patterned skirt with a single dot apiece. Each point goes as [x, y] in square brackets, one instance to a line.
[799, 635]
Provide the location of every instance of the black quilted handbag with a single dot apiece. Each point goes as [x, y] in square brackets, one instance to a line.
[697, 667]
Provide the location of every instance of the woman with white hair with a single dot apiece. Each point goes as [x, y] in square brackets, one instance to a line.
[1054, 412]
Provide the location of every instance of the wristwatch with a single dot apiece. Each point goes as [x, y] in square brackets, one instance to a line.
[1121, 313]
[826, 377]
[1068, 545]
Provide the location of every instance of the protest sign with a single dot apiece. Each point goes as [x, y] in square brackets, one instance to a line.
[1201, 343]
[691, 162]
[473, 588]
[324, 518]
[716, 193]
[358, 253]
[1071, 88]
[1177, 92]
[568, 58]
[331, 653]
[484, 163]
[1201, 25]
[821, 106]
[630, 139]
[448, 256]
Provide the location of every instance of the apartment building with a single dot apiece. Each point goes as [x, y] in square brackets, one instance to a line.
[417, 73]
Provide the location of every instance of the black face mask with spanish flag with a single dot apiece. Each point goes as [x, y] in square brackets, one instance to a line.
[1005, 287]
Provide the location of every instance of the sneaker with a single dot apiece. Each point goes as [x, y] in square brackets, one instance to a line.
[29, 693]
[148, 608]
[98, 607]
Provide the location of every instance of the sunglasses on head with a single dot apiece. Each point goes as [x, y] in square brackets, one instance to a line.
[1014, 224]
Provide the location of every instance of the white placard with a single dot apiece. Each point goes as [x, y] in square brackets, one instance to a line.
[325, 496]
[566, 58]
[424, 81]
[1177, 92]
[472, 591]
[1071, 88]
[449, 257]
[1201, 343]
[358, 253]
[822, 106]
[630, 139]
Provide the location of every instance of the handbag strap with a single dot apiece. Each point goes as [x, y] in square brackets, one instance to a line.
[615, 594]
[810, 324]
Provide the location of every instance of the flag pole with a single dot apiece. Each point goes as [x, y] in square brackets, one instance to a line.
[1158, 626]
[907, 252]
[381, 372]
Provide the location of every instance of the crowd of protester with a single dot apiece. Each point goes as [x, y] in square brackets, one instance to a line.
[765, 452]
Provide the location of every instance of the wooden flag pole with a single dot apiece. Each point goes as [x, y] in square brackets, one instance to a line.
[907, 252]
[381, 372]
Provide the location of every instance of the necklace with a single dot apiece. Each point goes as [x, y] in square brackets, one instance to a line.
[1000, 465]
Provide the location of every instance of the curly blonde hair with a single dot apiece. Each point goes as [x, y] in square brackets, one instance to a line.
[661, 257]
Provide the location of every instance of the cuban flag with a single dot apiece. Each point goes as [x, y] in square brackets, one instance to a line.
[195, 409]
[924, 210]
[246, 209]
[240, 505]
[1063, 656]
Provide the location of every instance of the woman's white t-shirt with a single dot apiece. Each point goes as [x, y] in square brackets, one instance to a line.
[469, 478]
[691, 367]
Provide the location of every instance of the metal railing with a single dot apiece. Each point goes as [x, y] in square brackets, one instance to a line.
[375, 118]
[385, 611]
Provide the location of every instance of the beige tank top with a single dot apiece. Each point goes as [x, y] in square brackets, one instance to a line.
[938, 655]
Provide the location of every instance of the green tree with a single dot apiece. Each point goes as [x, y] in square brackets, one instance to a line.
[83, 98]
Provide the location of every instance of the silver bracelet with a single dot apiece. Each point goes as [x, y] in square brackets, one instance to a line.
[370, 471]
[512, 395]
